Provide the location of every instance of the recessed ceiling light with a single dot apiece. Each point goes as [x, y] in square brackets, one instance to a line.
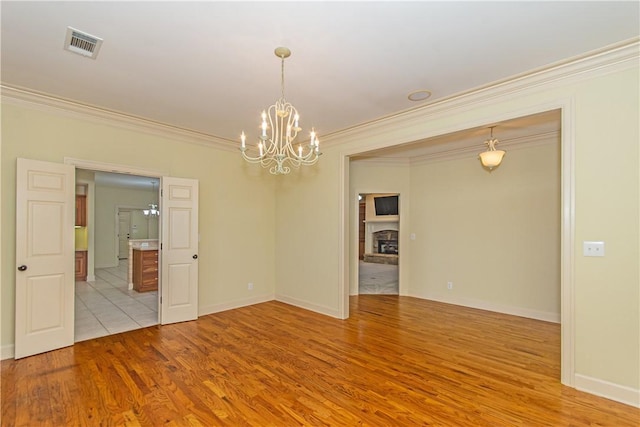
[419, 95]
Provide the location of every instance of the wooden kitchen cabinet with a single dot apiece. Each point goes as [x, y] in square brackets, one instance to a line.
[81, 210]
[81, 265]
[145, 270]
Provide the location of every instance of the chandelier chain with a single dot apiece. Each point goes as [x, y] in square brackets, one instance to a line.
[282, 76]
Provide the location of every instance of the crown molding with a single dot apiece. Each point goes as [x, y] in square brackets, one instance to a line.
[14, 95]
[614, 58]
[526, 142]
[610, 59]
[455, 152]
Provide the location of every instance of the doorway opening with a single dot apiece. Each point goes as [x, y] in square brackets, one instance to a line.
[118, 294]
[378, 244]
[544, 122]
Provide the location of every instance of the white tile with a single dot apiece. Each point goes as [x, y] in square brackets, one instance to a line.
[107, 306]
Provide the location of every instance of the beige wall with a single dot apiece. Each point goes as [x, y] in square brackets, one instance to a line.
[245, 214]
[106, 204]
[237, 201]
[601, 110]
[307, 245]
[495, 236]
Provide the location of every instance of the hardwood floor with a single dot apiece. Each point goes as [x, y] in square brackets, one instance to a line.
[398, 361]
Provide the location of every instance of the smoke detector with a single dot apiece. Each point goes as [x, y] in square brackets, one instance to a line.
[82, 43]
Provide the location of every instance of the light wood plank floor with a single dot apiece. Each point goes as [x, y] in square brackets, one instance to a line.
[398, 361]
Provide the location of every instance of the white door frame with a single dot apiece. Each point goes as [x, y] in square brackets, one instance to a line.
[355, 275]
[567, 231]
[91, 194]
[115, 168]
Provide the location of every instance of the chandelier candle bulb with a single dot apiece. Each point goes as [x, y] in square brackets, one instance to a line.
[243, 138]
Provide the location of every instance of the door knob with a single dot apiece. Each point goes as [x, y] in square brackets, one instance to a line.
[22, 268]
[195, 256]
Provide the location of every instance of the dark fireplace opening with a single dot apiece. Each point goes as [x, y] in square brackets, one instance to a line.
[388, 247]
[385, 242]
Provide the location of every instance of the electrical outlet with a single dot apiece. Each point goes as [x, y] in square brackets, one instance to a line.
[449, 285]
[250, 286]
[593, 248]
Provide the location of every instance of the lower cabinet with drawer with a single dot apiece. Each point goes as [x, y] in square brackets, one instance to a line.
[81, 265]
[145, 270]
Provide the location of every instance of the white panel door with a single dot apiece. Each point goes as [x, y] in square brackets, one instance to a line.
[179, 250]
[124, 230]
[45, 276]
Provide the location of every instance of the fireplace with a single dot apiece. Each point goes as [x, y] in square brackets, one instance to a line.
[388, 247]
[381, 242]
[385, 242]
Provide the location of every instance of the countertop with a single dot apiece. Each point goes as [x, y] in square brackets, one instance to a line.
[144, 246]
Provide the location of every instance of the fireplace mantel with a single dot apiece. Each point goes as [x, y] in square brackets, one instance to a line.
[377, 225]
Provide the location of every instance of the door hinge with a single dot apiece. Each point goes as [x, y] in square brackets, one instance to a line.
[161, 300]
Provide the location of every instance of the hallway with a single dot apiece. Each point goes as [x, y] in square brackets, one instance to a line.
[107, 306]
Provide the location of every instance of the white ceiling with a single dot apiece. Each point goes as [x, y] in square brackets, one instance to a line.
[122, 180]
[209, 66]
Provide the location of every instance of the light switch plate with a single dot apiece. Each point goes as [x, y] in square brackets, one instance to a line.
[593, 248]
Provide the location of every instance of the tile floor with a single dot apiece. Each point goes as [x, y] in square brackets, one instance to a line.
[107, 306]
[377, 278]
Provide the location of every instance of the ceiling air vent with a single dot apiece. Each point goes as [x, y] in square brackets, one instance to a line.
[82, 43]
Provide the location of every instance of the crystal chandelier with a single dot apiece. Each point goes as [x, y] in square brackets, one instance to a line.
[492, 157]
[153, 210]
[282, 122]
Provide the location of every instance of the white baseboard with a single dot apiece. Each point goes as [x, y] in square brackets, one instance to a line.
[489, 306]
[7, 352]
[217, 308]
[327, 311]
[97, 267]
[619, 393]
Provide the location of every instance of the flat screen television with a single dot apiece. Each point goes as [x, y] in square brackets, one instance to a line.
[387, 205]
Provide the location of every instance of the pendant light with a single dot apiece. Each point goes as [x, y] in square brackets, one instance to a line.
[492, 157]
